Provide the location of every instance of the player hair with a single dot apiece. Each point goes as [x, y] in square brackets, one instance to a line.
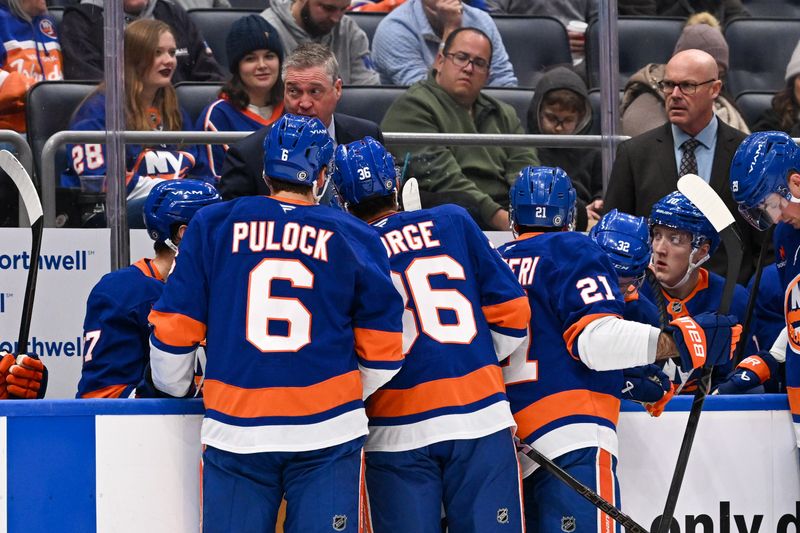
[277, 186]
[372, 207]
[565, 98]
[537, 229]
[160, 246]
[312, 55]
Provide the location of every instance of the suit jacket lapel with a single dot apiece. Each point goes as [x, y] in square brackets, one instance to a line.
[723, 154]
[664, 156]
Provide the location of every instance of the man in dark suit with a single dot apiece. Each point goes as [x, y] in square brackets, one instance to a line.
[312, 87]
[694, 140]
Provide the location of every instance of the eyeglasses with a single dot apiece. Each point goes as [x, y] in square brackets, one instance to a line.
[461, 60]
[567, 122]
[686, 87]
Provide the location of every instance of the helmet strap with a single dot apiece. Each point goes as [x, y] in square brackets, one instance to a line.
[171, 245]
[691, 268]
[315, 188]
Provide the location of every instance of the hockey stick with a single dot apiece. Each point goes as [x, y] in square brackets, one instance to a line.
[591, 496]
[751, 301]
[706, 200]
[27, 190]
[411, 201]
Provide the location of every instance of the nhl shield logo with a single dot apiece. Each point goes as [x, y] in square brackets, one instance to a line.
[567, 524]
[302, 175]
[339, 522]
[502, 515]
[676, 307]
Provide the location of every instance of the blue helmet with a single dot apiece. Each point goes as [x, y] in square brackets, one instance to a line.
[678, 212]
[364, 170]
[542, 196]
[296, 148]
[760, 167]
[175, 202]
[626, 240]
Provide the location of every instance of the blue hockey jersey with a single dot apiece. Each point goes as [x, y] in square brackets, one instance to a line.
[787, 259]
[464, 311]
[142, 163]
[559, 403]
[116, 331]
[301, 318]
[221, 115]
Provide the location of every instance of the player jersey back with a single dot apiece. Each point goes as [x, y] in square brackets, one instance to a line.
[115, 331]
[559, 403]
[464, 310]
[787, 258]
[298, 310]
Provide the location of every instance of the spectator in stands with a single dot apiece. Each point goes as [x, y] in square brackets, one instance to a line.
[82, 29]
[450, 101]
[692, 140]
[785, 112]
[723, 10]
[560, 106]
[407, 40]
[323, 21]
[253, 97]
[643, 102]
[150, 104]
[312, 87]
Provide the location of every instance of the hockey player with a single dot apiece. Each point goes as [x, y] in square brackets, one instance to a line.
[441, 432]
[115, 328]
[564, 385]
[683, 239]
[765, 181]
[625, 240]
[302, 323]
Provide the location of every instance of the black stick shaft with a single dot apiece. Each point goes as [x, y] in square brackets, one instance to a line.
[37, 230]
[751, 301]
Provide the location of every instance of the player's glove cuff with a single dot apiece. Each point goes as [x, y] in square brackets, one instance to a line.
[645, 384]
[707, 339]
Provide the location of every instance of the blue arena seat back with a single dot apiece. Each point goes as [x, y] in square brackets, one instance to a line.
[786, 9]
[752, 104]
[533, 43]
[759, 52]
[369, 102]
[49, 108]
[194, 96]
[519, 99]
[642, 40]
[214, 25]
[367, 22]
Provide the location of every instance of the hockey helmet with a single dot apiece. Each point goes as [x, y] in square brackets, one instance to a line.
[296, 149]
[678, 212]
[175, 202]
[542, 196]
[364, 169]
[626, 240]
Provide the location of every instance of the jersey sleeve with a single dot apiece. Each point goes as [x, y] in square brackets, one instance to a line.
[377, 318]
[585, 289]
[179, 317]
[503, 300]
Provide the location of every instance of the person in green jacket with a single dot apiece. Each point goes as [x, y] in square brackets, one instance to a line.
[450, 100]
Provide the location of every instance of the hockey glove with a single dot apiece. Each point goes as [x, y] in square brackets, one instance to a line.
[27, 378]
[645, 384]
[655, 409]
[749, 374]
[707, 339]
[6, 360]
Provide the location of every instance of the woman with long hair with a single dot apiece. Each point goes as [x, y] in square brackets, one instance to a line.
[253, 97]
[784, 115]
[150, 105]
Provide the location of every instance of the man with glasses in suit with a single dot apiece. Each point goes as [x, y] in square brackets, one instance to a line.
[693, 140]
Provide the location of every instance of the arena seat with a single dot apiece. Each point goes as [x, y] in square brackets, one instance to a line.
[258, 5]
[642, 40]
[368, 101]
[214, 25]
[759, 52]
[752, 104]
[519, 99]
[533, 43]
[48, 109]
[194, 96]
[367, 21]
[786, 9]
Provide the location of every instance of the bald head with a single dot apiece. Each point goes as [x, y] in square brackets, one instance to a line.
[692, 108]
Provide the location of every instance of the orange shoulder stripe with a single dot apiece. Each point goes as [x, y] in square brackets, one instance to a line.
[514, 313]
[575, 329]
[450, 392]
[563, 404]
[375, 345]
[176, 329]
[282, 401]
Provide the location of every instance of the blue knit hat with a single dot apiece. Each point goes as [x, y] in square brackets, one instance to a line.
[251, 33]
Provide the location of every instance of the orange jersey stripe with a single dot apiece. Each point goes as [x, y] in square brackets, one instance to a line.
[605, 487]
[282, 401]
[175, 329]
[794, 399]
[514, 313]
[375, 345]
[112, 391]
[566, 403]
[571, 335]
[448, 392]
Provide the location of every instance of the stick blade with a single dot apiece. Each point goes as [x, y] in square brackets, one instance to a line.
[411, 201]
[21, 178]
[706, 200]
